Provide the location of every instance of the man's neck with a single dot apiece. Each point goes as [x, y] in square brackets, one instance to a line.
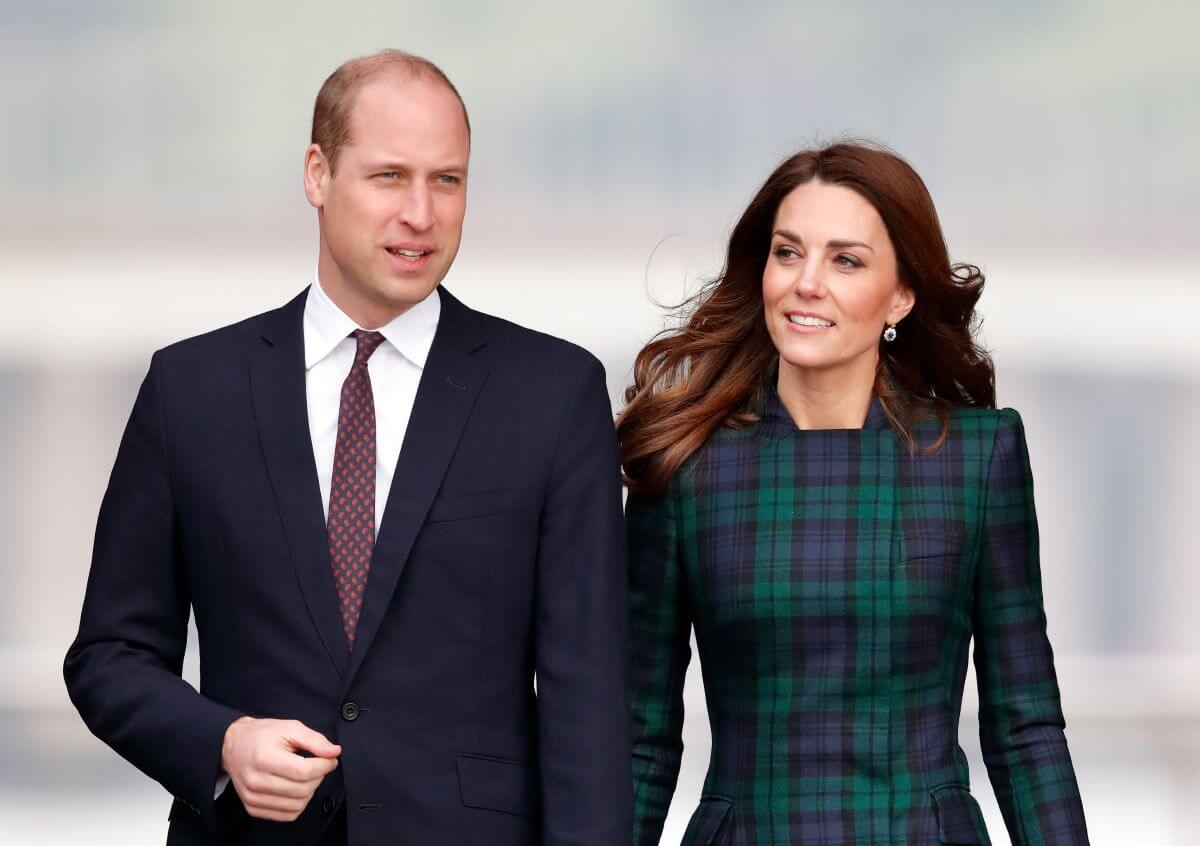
[366, 313]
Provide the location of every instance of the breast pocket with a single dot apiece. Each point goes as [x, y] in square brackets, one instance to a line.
[467, 506]
[934, 544]
[936, 565]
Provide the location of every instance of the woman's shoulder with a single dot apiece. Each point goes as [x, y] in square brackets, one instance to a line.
[993, 418]
[972, 429]
[986, 432]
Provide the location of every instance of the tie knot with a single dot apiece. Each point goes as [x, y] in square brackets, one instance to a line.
[367, 342]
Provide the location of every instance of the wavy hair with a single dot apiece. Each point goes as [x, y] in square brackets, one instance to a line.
[713, 370]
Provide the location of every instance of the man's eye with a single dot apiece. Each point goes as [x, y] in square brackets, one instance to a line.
[387, 174]
[447, 179]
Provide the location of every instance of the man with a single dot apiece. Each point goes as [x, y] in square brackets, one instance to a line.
[387, 513]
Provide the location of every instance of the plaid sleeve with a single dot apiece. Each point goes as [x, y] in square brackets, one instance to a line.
[1020, 722]
[659, 648]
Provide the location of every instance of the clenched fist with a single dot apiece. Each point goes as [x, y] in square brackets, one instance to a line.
[272, 780]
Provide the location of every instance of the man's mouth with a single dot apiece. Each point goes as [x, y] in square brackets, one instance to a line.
[405, 252]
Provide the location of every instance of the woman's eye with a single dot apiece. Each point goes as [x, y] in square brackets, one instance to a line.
[847, 261]
[785, 252]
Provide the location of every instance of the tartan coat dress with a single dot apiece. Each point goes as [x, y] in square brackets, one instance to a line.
[834, 582]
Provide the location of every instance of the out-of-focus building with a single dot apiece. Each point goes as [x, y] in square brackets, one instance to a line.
[150, 159]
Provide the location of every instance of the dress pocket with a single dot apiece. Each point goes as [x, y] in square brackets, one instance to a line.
[711, 822]
[949, 542]
[959, 819]
[497, 784]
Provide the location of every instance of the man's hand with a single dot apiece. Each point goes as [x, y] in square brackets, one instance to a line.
[273, 782]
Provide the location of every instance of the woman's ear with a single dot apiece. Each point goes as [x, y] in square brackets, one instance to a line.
[902, 303]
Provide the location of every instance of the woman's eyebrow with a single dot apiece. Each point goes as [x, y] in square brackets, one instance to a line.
[842, 245]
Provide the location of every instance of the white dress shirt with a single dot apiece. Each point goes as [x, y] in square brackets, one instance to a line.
[395, 369]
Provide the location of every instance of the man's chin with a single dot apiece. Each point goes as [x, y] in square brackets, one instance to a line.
[404, 291]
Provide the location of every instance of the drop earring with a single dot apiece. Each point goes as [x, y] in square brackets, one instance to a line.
[889, 334]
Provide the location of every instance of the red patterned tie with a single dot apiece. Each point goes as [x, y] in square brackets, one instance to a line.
[352, 491]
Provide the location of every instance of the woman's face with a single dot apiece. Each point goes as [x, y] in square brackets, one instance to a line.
[830, 285]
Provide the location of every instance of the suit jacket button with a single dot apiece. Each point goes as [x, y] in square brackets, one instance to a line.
[330, 805]
[350, 711]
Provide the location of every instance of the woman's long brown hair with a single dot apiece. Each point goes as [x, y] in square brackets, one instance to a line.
[712, 371]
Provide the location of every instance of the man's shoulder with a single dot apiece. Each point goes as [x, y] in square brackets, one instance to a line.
[224, 338]
[226, 342]
[520, 347]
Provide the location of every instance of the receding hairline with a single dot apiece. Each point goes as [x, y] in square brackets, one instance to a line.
[366, 69]
[339, 93]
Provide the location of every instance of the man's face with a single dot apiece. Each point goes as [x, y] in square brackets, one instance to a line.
[391, 214]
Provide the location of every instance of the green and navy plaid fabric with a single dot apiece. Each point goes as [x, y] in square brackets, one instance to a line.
[834, 582]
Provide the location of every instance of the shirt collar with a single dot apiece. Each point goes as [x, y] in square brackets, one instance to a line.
[326, 326]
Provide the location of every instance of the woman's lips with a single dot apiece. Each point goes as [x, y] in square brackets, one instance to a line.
[808, 323]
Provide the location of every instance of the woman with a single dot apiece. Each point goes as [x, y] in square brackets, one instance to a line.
[820, 484]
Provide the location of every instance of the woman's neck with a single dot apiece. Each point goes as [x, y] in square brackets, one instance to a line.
[827, 398]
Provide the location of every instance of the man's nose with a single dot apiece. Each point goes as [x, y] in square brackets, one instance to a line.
[417, 209]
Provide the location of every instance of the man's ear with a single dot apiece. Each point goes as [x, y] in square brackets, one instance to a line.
[316, 175]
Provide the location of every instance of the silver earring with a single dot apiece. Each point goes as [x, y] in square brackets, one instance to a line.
[889, 334]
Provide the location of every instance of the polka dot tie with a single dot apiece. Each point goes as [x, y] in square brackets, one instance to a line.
[352, 491]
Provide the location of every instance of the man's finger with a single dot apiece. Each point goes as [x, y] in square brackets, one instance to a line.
[294, 768]
[277, 804]
[263, 813]
[268, 784]
[300, 736]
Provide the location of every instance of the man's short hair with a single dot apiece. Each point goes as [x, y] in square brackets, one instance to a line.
[335, 100]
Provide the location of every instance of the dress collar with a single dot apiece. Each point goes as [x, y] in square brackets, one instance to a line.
[776, 420]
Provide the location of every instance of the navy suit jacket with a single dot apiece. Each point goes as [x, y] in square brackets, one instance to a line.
[500, 555]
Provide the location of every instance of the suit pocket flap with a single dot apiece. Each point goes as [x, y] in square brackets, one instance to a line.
[496, 784]
[709, 824]
[959, 819]
[481, 504]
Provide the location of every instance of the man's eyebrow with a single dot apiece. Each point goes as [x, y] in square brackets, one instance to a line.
[385, 165]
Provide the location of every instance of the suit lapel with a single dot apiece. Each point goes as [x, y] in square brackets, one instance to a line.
[281, 409]
[449, 384]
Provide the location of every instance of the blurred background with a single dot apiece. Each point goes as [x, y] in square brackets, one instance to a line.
[150, 164]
